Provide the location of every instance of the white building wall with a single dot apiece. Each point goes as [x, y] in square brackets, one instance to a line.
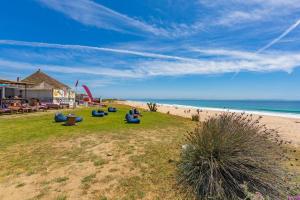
[42, 95]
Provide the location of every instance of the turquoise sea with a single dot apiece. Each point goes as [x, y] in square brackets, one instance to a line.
[272, 107]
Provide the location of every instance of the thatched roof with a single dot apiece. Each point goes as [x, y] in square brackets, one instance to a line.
[39, 77]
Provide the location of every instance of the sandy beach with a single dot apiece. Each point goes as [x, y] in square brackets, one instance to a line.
[288, 128]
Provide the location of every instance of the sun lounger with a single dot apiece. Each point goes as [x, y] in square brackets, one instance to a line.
[34, 108]
[42, 107]
[26, 108]
[15, 109]
[64, 105]
[131, 120]
[4, 109]
[53, 106]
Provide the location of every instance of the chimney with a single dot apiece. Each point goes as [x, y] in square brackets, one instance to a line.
[18, 79]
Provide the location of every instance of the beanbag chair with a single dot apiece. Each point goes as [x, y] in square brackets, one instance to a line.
[79, 119]
[131, 120]
[59, 117]
[102, 111]
[111, 109]
[97, 114]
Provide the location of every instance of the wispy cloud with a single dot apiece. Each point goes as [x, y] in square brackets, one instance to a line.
[205, 61]
[90, 13]
[286, 32]
[269, 64]
[82, 47]
[231, 13]
[239, 16]
[94, 14]
[89, 70]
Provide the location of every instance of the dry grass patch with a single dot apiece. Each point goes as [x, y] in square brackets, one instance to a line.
[78, 168]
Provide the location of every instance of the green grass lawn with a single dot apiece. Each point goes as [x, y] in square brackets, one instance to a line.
[28, 127]
[100, 158]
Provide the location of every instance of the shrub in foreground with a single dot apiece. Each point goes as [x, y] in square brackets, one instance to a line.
[227, 152]
[196, 118]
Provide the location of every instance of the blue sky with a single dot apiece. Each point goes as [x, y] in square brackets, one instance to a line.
[225, 49]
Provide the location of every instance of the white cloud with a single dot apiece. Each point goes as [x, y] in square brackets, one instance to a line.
[206, 61]
[239, 16]
[82, 47]
[90, 13]
[230, 13]
[285, 33]
[223, 61]
[90, 70]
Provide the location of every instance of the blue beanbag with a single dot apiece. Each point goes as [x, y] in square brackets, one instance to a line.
[79, 119]
[101, 111]
[111, 109]
[59, 117]
[129, 118]
[97, 114]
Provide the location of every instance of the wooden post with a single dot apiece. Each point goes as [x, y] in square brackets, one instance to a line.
[2, 95]
[3, 92]
[26, 92]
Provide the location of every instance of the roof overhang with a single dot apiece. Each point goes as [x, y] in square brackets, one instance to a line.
[25, 83]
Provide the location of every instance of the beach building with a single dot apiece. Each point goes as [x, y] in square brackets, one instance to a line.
[48, 89]
[38, 86]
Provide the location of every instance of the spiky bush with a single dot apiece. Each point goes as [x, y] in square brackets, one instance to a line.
[227, 152]
[152, 107]
[196, 118]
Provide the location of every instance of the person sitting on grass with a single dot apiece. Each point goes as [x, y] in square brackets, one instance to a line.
[136, 112]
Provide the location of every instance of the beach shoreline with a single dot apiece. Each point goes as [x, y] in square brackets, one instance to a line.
[288, 126]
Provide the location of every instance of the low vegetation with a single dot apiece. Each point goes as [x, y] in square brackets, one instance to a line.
[196, 118]
[152, 107]
[230, 156]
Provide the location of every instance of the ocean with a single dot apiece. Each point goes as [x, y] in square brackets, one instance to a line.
[266, 107]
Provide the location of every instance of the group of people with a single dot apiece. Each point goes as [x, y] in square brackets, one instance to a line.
[132, 117]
